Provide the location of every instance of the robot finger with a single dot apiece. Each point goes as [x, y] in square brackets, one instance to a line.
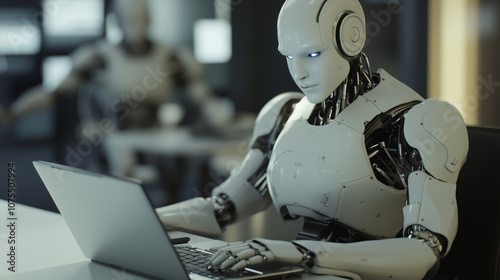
[257, 259]
[218, 258]
[245, 254]
[257, 247]
[226, 253]
[262, 258]
[267, 256]
[254, 249]
[240, 265]
[229, 262]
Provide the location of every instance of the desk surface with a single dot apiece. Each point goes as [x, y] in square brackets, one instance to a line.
[38, 236]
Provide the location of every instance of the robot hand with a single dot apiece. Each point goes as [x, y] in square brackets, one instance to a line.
[195, 215]
[238, 255]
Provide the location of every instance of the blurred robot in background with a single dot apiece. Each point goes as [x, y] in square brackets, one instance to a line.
[367, 162]
[130, 83]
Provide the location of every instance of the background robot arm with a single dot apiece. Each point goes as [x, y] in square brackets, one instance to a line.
[84, 59]
[245, 191]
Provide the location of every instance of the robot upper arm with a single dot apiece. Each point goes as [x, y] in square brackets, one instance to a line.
[437, 130]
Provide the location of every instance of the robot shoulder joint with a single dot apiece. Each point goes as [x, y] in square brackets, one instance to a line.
[278, 108]
[437, 130]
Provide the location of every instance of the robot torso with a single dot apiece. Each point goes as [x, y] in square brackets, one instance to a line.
[324, 172]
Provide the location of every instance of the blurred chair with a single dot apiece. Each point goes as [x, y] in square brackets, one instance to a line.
[476, 250]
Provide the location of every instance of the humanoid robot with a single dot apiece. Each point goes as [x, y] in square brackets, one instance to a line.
[129, 83]
[370, 165]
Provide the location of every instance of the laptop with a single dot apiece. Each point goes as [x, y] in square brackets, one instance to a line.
[114, 223]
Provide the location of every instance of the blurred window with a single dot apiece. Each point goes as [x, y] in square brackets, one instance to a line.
[75, 18]
[18, 35]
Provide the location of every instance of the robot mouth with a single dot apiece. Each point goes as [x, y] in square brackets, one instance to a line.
[308, 86]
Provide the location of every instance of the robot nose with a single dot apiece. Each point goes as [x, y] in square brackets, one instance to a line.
[299, 70]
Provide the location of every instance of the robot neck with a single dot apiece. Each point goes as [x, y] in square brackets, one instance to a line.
[138, 47]
[356, 83]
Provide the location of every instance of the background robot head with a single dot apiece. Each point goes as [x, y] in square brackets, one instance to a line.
[318, 38]
[133, 20]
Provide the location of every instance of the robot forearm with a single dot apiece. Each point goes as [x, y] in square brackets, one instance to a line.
[194, 215]
[234, 199]
[398, 258]
[240, 195]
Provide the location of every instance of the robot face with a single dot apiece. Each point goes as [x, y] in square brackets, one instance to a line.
[133, 18]
[306, 31]
[313, 68]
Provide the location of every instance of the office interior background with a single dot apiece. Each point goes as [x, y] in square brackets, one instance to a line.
[445, 49]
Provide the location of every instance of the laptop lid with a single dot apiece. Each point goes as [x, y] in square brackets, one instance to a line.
[108, 217]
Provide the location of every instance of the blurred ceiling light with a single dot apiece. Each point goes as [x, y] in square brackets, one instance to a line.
[77, 18]
[212, 40]
[453, 54]
[54, 70]
[18, 36]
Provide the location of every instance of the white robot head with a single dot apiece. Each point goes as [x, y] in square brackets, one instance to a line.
[318, 38]
[133, 20]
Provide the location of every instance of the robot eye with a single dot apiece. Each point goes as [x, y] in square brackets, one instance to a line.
[314, 54]
[289, 57]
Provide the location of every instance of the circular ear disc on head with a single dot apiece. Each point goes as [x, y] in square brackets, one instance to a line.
[351, 36]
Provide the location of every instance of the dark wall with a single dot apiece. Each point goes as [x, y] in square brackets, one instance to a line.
[488, 93]
[258, 71]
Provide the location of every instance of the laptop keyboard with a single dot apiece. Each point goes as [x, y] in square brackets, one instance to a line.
[195, 261]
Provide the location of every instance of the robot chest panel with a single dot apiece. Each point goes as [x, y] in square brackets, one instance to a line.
[137, 79]
[323, 172]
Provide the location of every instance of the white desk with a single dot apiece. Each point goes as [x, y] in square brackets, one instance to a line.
[42, 240]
